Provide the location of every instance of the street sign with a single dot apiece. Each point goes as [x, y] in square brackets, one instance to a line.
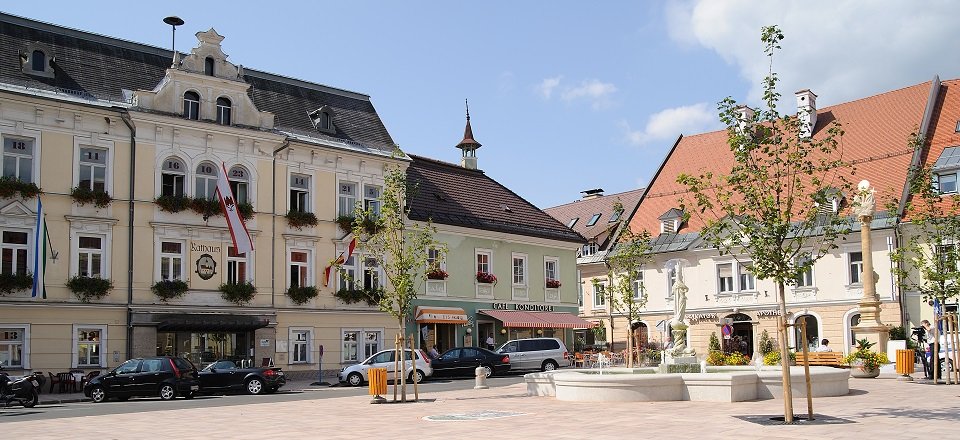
[321, 350]
[727, 330]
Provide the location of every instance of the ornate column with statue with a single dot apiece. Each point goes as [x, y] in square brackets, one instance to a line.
[680, 353]
[870, 326]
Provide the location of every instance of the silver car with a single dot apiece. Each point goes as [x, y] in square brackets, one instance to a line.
[545, 354]
[356, 375]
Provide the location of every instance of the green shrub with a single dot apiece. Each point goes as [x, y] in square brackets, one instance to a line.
[300, 295]
[83, 195]
[351, 296]
[15, 282]
[172, 204]
[714, 342]
[898, 333]
[239, 293]
[10, 187]
[773, 358]
[766, 345]
[87, 288]
[169, 289]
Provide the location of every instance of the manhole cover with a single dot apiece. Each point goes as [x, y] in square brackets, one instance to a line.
[476, 415]
[773, 420]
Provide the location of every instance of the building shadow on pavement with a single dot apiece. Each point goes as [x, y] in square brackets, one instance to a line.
[947, 413]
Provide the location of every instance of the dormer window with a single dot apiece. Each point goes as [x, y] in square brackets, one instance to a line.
[670, 221]
[224, 107]
[831, 202]
[945, 171]
[322, 119]
[588, 249]
[191, 105]
[38, 61]
[208, 66]
[669, 226]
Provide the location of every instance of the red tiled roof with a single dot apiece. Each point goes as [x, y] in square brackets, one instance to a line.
[584, 209]
[943, 127]
[876, 136]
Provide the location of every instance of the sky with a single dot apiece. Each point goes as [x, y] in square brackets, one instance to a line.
[564, 96]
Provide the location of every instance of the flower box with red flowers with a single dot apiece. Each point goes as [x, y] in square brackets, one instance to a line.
[553, 284]
[487, 278]
[437, 274]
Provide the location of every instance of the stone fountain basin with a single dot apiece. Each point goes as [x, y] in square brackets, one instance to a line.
[718, 384]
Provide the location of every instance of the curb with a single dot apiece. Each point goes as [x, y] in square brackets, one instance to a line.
[61, 401]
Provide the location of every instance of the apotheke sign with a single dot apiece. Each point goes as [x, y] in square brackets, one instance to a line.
[523, 307]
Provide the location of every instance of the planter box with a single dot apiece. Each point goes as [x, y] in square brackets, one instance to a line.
[436, 287]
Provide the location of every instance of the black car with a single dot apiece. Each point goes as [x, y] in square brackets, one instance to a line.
[224, 375]
[464, 361]
[164, 376]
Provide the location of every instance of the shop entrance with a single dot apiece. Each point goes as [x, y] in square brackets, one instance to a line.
[204, 348]
[741, 340]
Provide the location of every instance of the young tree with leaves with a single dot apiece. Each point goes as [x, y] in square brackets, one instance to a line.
[400, 248]
[624, 269]
[766, 206]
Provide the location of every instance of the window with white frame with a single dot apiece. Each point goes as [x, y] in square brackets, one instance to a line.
[346, 198]
[946, 183]
[239, 179]
[89, 345]
[350, 345]
[92, 169]
[519, 269]
[236, 266]
[191, 105]
[550, 270]
[599, 295]
[360, 342]
[171, 260]
[735, 276]
[18, 158]
[805, 279]
[371, 274]
[725, 277]
[371, 199]
[434, 259]
[348, 273]
[579, 288]
[483, 258]
[299, 268]
[172, 177]
[299, 193]
[224, 108]
[13, 251]
[206, 181]
[90, 256]
[588, 249]
[856, 267]
[299, 346]
[12, 346]
[639, 291]
[371, 342]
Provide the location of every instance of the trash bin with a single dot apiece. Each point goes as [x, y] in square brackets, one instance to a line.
[378, 381]
[905, 362]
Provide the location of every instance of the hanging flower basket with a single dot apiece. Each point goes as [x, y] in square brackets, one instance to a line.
[345, 222]
[300, 219]
[239, 293]
[486, 278]
[88, 288]
[10, 187]
[437, 274]
[83, 195]
[169, 289]
[351, 296]
[300, 295]
[15, 282]
[553, 284]
[172, 204]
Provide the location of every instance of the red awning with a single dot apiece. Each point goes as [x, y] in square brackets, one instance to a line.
[519, 318]
[441, 315]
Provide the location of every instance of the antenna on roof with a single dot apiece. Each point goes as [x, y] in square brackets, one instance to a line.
[174, 21]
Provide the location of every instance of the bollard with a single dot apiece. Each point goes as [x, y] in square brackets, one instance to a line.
[481, 379]
[905, 364]
[378, 384]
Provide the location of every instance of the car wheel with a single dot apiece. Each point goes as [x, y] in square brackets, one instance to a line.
[549, 366]
[34, 400]
[487, 370]
[355, 379]
[97, 395]
[254, 386]
[167, 392]
[419, 378]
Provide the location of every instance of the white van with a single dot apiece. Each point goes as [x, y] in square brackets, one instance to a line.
[545, 354]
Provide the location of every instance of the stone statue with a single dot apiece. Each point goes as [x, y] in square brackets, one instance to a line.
[678, 324]
[863, 202]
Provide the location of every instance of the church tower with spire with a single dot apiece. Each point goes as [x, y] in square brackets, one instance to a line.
[468, 145]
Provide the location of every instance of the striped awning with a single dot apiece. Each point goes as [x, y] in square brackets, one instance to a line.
[519, 318]
[441, 315]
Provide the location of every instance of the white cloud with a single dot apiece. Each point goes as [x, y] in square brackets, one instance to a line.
[597, 92]
[547, 86]
[844, 51]
[672, 122]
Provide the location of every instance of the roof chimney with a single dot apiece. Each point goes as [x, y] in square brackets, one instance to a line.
[745, 117]
[806, 112]
[468, 145]
[592, 193]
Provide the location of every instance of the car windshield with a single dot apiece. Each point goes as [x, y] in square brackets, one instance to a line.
[128, 367]
[221, 365]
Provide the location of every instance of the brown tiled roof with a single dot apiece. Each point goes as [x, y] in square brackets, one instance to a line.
[876, 136]
[452, 195]
[584, 209]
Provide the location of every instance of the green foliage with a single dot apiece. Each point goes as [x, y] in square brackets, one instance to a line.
[624, 265]
[773, 358]
[239, 293]
[766, 345]
[83, 195]
[172, 204]
[300, 295]
[169, 289]
[206, 207]
[246, 210]
[89, 288]
[600, 333]
[345, 222]
[898, 333]
[351, 295]
[10, 187]
[716, 357]
[714, 342]
[15, 282]
[865, 358]
[299, 219]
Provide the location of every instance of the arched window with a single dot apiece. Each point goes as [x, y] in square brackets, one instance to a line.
[206, 181]
[239, 179]
[813, 332]
[223, 111]
[172, 177]
[39, 61]
[191, 105]
[854, 321]
[208, 66]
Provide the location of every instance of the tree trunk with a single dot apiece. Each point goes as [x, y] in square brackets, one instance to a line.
[403, 366]
[629, 342]
[784, 355]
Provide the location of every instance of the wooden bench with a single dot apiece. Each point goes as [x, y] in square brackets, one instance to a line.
[824, 358]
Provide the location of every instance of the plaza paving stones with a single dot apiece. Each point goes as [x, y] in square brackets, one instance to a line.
[877, 408]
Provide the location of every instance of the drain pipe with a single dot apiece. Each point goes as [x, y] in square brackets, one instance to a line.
[273, 228]
[125, 117]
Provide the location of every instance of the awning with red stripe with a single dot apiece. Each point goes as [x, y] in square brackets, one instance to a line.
[441, 315]
[519, 318]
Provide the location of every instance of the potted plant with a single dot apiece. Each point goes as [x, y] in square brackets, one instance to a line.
[87, 288]
[246, 210]
[352, 295]
[238, 293]
[437, 273]
[345, 222]
[82, 195]
[864, 362]
[172, 204]
[169, 289]
[553, 284]
[15, 282]
[299, 219]
[486, 278]
[205, 207]
[300, 295]
[10, 186]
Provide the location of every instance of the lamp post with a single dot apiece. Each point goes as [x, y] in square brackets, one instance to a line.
[174, 21]
[870, 326]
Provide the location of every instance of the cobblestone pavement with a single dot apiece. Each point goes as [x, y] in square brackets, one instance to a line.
[875, 408]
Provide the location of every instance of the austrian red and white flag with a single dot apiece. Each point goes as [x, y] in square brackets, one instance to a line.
[238, 230]
[340, 260]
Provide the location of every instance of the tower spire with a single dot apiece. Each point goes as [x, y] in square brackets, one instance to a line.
[468, 145]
